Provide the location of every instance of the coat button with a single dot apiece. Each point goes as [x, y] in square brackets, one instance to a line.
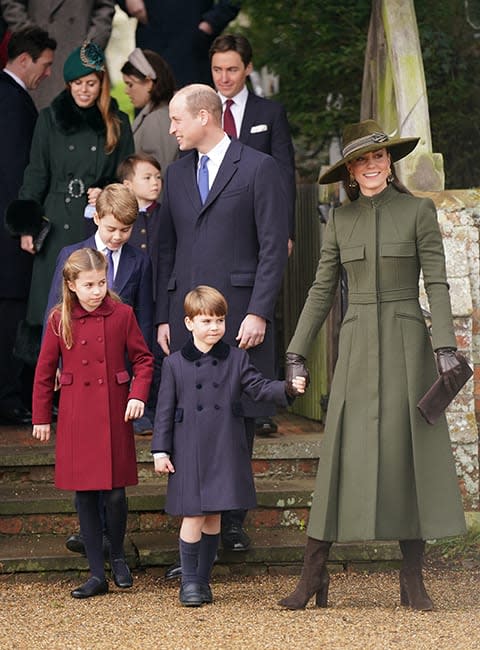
[214, 362]
[66, 226]
[100, 381]
[198, 364]
[71, 147]
[143, 231]
[99, 339]
[199, 407]
[216, 407]
[84, 362]
[198, 386]
[82, 320]
[98, 319]
[93, 148]
[67, 200]
[215, 384]
[86, 383]
[143, 246]
[83, 342]
[101, 361]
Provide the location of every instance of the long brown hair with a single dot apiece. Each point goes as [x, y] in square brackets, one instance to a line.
[105, 106]
[84, 259]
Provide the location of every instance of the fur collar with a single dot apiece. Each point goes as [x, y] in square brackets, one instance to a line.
[70, 118]
[220, 350]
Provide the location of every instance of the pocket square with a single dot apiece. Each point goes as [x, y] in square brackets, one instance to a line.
[259, 128]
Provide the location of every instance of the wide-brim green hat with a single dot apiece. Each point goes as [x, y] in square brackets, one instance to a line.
[364, 137]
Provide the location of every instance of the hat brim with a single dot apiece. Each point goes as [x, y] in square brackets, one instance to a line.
[397, 149]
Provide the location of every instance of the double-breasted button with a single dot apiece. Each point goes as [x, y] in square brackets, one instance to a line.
[82, 320]
[83, 342]
[84, 362]
[199, 407]
[71, 147]
[198, 364]
[214, 362]
[86, 383]
[98, 319]
[198, 386]
[100, 380]
[99, 339]
[67, 200]
[216, 407]
[101, 361]
[93, 148]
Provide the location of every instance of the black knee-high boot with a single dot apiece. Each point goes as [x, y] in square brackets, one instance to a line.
[412, 590]
[314, 578]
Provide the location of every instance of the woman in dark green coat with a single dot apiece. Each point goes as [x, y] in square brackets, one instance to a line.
[78, 142]
[384, 473]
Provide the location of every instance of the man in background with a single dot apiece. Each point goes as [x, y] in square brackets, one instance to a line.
[30, 58]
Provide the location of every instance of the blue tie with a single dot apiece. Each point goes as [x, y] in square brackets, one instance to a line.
[203, 178]
[110, 270]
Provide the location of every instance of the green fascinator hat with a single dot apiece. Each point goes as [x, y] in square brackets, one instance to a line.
[365, 137]
[87, 58]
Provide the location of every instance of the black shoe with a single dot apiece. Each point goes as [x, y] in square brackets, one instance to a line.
[206, 594]
[174, 571]
[18, 415]
[235, 538]
[191, 595]
[265, 426]
[93, 587]
[75, 544]
[121, 573]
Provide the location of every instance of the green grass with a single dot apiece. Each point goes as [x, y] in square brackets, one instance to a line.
[460, 549]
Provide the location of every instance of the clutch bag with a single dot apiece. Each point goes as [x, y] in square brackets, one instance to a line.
[441, 393]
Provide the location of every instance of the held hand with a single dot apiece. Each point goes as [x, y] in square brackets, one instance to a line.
[163, 465]
[163, 337]
[295, 369]
[41, 432]
[134, 410]
[26, 244]
[136, 9]
[448, 366]
[251, 332]
[92, 194]
[291, 245]
[296, 387]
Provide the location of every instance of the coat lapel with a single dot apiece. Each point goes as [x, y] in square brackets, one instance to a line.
[124, 269]
[249, 117]
[227, 169]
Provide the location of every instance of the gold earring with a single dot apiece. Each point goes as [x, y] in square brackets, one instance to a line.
[390, 177]
[352, 183]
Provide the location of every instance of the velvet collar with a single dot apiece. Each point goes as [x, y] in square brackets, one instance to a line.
[220, 350]
[70, 118]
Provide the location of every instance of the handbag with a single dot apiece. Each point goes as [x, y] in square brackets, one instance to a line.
[441, 393]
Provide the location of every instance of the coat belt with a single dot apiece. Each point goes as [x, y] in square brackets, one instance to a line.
[371, 297]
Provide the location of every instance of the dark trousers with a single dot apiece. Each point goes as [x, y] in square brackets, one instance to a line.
[237, 517]
[13, 380]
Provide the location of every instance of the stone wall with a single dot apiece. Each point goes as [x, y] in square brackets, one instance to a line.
[459, 220]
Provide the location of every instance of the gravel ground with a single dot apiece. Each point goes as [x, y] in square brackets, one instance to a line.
[364, 614]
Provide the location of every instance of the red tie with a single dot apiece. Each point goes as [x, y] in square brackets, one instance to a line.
[228, 121]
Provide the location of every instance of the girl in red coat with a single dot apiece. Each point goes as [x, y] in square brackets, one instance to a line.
[90, 335]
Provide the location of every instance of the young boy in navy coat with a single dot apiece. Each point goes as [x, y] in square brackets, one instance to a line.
[199, 435]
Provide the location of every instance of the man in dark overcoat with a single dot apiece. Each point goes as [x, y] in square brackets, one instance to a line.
[30, 57]
[235, 239]
[181, 31]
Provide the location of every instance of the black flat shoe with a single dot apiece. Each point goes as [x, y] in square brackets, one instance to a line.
[191, 595]
[121, 574]
[75, 544]
[174, 571]
[93, 587]
[235, 538]
[206, 594]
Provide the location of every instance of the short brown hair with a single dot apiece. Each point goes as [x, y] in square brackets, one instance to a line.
[204, 300]
[118, 200]
[126, 169]
[235, 43]
[200, 97]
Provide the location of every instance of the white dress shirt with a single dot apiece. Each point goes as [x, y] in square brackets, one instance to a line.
[215, 158]
[237, 108]
[115, 253]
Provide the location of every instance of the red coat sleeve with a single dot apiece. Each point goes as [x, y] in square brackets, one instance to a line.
[44, 381]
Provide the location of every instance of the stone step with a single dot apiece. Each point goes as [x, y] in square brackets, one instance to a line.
[38, 508]
[279, 550]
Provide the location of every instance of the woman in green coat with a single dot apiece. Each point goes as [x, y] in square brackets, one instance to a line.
[78, 142]
[384, 473]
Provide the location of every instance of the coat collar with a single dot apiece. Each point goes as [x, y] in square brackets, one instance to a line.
[105, 309]
[220, 350]
[70, 118]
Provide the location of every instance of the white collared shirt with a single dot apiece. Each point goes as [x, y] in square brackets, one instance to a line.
[15, 78]
[115, 253]
[237, 108]
[215, 158]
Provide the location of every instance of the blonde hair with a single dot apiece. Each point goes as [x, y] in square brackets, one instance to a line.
[119, 200]
[84, 259]
[204, 300]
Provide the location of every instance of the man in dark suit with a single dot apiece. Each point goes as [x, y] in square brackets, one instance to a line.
[30, 57]
[235, 239]
[262, 124]
[181, 31]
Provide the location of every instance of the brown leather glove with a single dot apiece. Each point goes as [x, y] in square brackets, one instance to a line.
[295, 367]
[448, 366]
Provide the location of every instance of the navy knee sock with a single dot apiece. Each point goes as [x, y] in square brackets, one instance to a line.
[206, 556]
[116, 512]
[189, 560]
[92, 530]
